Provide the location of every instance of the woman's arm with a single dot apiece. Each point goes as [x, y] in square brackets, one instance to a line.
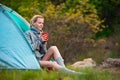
[32, 40]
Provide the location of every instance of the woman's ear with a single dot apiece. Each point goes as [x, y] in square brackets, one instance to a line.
[33, 24]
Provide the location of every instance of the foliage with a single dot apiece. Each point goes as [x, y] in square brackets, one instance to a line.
[108, 10]
[92, 74]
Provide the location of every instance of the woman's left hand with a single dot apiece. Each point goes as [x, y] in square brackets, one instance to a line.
[44, 36]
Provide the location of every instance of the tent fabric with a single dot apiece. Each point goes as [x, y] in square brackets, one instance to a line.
[15, 51]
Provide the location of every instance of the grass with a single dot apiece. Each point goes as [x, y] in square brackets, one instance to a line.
[92, 74]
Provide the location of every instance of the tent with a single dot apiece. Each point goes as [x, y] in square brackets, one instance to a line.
[15, 51]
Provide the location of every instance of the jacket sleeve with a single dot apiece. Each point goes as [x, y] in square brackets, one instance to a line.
[44, 45]
[32, 40]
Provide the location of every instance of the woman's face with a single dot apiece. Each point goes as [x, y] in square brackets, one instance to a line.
[39, 23]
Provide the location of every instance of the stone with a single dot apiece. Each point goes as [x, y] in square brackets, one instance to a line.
[111, 62]
[88, 62]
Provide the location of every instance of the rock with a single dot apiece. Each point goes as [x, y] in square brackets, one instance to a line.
[89, 62]
[110, 62]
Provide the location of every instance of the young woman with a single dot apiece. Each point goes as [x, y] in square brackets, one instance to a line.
[38, 42]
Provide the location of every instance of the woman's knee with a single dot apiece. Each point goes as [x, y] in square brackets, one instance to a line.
[53, 47]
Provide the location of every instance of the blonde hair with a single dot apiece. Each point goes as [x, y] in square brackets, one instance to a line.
[34, 19]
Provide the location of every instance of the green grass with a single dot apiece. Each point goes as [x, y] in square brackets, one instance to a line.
[92, 74]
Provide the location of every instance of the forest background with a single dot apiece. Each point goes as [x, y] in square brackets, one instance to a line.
[79, 28]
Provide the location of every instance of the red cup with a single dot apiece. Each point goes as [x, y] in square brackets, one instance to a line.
[45, 35]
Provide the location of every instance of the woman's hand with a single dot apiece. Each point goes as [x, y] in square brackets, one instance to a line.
[44, 36]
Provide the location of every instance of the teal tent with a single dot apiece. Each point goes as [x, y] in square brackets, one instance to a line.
[15, 51]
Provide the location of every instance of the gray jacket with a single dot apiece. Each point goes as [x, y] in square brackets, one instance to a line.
[36, 42]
